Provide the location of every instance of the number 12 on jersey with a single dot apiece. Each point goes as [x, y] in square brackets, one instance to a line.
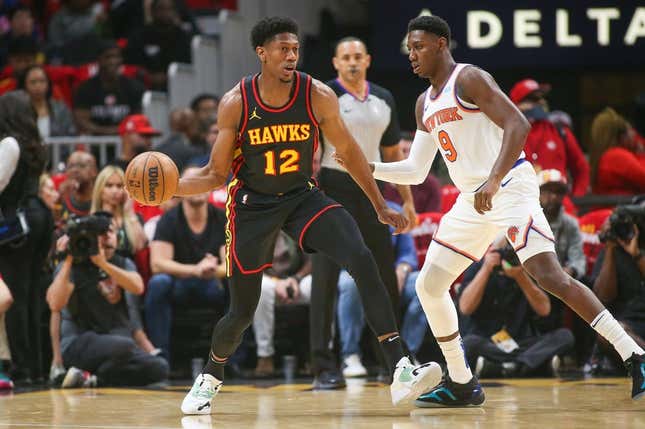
[289, 162]
[446, 144]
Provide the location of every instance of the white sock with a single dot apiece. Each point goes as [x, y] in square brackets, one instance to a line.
[610, 329]
[458, 368]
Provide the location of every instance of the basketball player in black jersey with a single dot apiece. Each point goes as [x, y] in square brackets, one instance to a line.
[268, 132]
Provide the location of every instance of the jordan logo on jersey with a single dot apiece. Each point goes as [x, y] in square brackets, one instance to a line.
[279, 134]
[254, 114]
[442, 116]
[512, 233]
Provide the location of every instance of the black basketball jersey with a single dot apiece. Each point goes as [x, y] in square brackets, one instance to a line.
[275, 147]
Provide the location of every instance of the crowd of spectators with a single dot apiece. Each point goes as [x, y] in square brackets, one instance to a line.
[111, 312]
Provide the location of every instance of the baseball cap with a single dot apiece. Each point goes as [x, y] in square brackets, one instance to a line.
[525, 87]
[137, 124]
[552, 176]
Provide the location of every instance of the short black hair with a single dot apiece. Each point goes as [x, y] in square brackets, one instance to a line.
[349, 39]
[430, 24]
[267, 28]
[194, 104]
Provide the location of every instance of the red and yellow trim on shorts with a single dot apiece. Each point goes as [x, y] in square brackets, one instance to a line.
[232, 189]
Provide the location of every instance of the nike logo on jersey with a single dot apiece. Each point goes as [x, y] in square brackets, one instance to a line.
[254, 114]
[506, 183]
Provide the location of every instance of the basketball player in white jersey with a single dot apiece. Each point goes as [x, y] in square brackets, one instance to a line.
[480, 134]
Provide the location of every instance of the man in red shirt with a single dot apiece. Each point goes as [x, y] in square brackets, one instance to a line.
[549, 146]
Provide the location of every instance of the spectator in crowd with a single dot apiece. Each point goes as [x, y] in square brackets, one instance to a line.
[54, 117]
[5, 355]
[351, 320]
[617, 162]
[186, 270]
[22, 52]
[184, 143]
[75, 20]
[503, 305]
[288, 281]
[22, 161]
[205, 107]
[619, 276]
[96, 333]
[103, 101]
[109, 195]
[136, 137]
[21, 23]
[76, 191]
[128, 14]
[550, 146]
[427, 195]
[159, 43]
[566, 230]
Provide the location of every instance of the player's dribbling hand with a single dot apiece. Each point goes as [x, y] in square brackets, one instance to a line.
[392, 217]
[484, 197]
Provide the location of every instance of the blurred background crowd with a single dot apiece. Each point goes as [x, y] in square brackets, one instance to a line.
[103, 290]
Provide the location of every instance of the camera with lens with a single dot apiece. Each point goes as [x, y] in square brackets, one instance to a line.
[622, 221]
[507, 253]
[84, 234]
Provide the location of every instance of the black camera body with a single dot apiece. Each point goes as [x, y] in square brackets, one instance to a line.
[622, 221]
[507, 253]
[84, 234]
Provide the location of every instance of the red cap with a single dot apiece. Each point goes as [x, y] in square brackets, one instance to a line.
[137, 124]
[525, 87]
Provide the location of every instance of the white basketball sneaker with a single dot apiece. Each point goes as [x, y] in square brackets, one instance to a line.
[410, 381]
[199, 399]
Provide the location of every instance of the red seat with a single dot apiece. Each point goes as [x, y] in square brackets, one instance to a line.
[590, 225]
[449, 194]
[427, 224]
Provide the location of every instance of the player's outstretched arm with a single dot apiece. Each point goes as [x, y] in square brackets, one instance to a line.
[476, 86]
[326, 110]
[415, 168]
[215, 173]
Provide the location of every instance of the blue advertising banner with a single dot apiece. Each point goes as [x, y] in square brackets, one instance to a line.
[508, 34]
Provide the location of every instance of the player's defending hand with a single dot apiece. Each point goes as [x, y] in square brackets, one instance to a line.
[394, 218]
[484, 197]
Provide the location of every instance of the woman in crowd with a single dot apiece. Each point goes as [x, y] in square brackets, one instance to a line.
[22, 161]
[617, 160]
[54, 117]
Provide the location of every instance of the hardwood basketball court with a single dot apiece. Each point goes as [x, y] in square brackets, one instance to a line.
[535, 403]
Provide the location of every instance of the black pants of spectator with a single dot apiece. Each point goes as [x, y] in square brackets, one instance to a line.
[532, 352]
[325, 271]
[21, 265]
[116, 360]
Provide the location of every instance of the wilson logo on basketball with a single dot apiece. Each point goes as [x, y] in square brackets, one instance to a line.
[512, 233]
[153, 183]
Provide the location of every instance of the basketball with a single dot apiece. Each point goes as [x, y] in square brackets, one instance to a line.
[152, 178]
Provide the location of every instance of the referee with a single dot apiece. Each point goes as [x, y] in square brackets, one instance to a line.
[370, 114]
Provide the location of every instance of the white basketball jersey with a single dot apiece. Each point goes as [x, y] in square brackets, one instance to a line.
[467, 139]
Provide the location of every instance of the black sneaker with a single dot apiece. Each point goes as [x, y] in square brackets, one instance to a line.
[636, 367]
[329, 380]
[451, 394]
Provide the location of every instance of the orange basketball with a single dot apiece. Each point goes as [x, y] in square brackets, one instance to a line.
[152, 178]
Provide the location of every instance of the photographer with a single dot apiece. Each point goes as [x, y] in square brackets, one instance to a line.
[96, 334]
[619, 272]
[503, 305]
[26, 231]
